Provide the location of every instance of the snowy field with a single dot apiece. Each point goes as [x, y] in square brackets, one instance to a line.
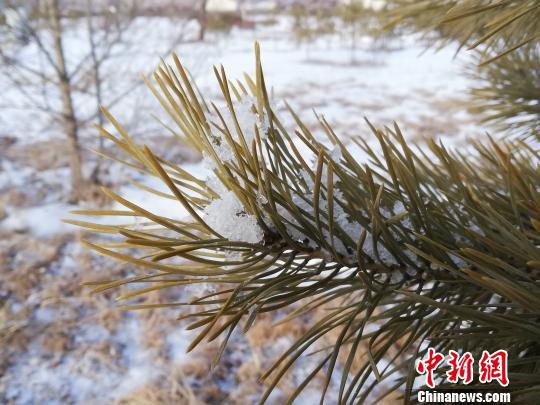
[61, 345]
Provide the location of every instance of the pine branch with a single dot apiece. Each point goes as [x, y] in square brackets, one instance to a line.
[506, 24]
[508, 93]
[400, 247]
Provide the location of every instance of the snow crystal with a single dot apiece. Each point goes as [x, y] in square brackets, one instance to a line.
[307, 178]
[399, 207]
[458, 261]
[247, 118]
[413, 257]
[263, 125]
[261, 199]
[233, 256]
[228, 217]
[223, 150]
[382, 253]
[208, 163]
[215, 184]
[336, 154]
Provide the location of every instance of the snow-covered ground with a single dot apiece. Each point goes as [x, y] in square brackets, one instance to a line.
[423, 91]
[60, 345]
[392, 80]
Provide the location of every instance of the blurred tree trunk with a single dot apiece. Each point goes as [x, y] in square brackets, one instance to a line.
[96, 73]
[68, 113]
[202, 20]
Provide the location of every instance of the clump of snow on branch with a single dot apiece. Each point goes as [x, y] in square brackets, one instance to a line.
[341, 219]
[223, 150]
[228, 217]
[247, 119]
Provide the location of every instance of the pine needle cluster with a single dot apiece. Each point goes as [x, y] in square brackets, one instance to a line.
[507, 92]
[485, 24]
[404, 247]
[505, 38]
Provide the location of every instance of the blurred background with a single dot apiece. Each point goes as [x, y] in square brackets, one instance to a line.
[59, 61]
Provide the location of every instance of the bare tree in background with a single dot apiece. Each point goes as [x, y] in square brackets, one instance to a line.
[69, 121]
[51, 81]
[38, 83]
[202, 18]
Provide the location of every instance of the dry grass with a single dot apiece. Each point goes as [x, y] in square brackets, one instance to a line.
[44, 308]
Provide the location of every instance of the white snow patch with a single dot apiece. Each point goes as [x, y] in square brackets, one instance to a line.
[228, 217]
[42, 221]
[178, 342]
